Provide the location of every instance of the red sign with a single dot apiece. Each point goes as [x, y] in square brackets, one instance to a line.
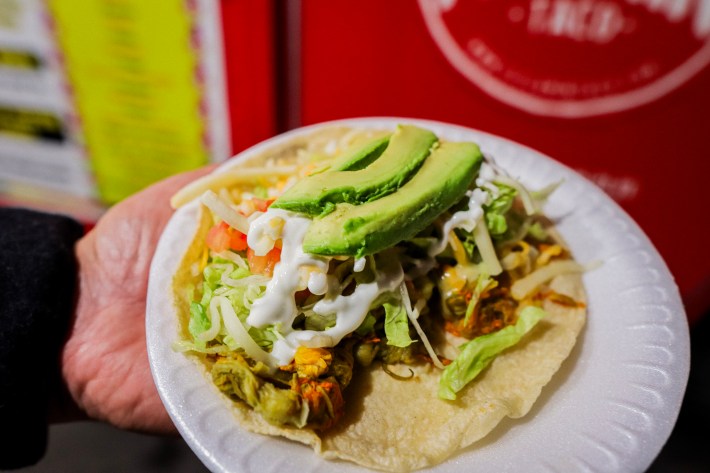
[570, 58]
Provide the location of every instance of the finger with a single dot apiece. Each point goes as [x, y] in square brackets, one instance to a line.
[173, 183]
[155, 199]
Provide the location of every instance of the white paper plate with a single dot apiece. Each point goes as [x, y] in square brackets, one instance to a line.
[610, 408]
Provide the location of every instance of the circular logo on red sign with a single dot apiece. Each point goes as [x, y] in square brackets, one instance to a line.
[573, 58]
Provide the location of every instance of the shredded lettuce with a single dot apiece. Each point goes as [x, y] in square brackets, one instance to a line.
[265, 337]
[316, 321]
[223, 278]
[397, 325]
[199, 322]
[478, 353]
[467, 241]
[367, 325]
[495, 212]
[538, 232]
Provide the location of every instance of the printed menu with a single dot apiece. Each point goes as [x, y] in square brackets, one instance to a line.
[100, 98]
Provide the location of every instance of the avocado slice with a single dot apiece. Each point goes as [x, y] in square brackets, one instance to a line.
[361, 157]
[318, 194]
[359, 230]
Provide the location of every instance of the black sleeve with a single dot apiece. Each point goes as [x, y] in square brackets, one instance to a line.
[38, 279]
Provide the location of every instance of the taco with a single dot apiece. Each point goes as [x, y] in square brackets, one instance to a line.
[384, 296]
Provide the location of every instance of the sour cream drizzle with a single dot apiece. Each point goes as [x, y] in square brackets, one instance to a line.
[467, 219]
[350, 312]
[298, 270]
[277, 306]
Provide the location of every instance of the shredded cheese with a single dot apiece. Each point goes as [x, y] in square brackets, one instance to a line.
[525, 286]
[525, 197]
[233, 257]
[221, 209]
[218, 180]
[239, 333]
[486, 249]
[413, 316]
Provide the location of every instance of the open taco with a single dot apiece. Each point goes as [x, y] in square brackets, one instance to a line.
[384, 296]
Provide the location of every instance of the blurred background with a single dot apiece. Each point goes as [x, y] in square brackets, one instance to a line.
[100, 98]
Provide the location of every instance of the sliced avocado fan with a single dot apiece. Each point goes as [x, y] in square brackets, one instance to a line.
[359, 230]
[374, 171]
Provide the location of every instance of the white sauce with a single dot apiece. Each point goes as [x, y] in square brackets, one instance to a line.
[277, 306]
[359, 264]
[350, 312]
[265, 229]
[467, 219]
[318, 283]
[297, 270]
[486, 176]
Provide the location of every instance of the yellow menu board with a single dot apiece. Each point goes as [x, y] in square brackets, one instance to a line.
[134, 73]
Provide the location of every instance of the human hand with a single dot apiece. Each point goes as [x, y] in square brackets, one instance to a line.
[104, 361]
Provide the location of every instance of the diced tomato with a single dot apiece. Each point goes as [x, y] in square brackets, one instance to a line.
[255, 204]
[222, 237]
[263, 264]
[218, 237]
[237, 240]
[262, 204]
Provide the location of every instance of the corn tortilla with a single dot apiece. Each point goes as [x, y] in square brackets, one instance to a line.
[397, 425]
